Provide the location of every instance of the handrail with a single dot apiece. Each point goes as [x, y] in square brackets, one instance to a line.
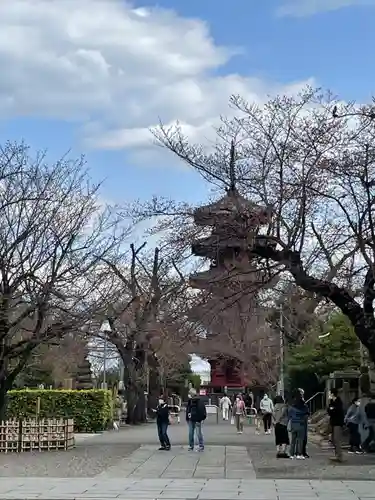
[314, 396]
[316, 402]
[175, 410]
[217, 412]
[252, 409]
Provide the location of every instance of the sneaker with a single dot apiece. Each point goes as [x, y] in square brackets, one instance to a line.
[200, 450]
[190, 449]
[351, 452]
[359, 452]
[167, 448]
[292, 457]
[162, 448]
[306, 455]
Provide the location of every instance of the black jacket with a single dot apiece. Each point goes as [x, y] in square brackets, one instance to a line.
[196, 410]
[162, 414]
[370, 410]
[336, 412]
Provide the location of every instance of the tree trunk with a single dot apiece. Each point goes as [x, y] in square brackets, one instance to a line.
[136, 403]
[154, 393]
[3, 401]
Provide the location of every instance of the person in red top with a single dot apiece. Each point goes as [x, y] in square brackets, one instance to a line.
[239, 413]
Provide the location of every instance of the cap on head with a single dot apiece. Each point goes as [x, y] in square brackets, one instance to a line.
[192, 392]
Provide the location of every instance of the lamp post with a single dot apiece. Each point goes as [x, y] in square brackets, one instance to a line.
[104, 329]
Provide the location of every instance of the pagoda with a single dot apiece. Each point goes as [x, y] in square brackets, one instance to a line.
[234, 223]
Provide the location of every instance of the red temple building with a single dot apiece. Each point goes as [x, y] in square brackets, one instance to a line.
[234, 224]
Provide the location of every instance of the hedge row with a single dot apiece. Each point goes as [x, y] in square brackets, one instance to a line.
[90, 409]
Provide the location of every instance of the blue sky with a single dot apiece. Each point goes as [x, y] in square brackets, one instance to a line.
[93, 76]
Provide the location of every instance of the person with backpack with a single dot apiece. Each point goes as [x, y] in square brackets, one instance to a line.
[195, 415]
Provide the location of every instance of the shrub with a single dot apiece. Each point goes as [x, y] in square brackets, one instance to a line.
[90, 409]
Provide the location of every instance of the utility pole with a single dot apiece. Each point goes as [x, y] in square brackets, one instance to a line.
[281, 338]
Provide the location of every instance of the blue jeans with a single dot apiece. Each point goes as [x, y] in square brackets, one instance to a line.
[298, 431]
[195, 426]
[163, 435]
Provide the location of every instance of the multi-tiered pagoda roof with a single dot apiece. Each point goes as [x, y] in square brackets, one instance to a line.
[232, 206]
[236, 223]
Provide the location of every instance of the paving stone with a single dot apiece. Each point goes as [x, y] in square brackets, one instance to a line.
[238, 474]
[218, 489]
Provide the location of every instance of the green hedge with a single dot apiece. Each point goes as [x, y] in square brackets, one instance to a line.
[90, 409]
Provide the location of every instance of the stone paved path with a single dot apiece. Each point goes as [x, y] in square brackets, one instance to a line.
[216, 462]
[183, 489]
[127, 466]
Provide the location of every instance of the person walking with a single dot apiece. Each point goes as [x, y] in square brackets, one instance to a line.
[239, 413]
[336, 420]
[195, 414]
[225, 404]
[297, 417]
[352, 420]
[162, 422]
[281, 427]
[266, 407]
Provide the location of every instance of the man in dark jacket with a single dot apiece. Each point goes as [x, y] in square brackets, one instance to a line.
[195, 415]
[162, 422]
[336, 419]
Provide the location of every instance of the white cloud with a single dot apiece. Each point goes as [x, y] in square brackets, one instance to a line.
[304, 8]
[114, 69]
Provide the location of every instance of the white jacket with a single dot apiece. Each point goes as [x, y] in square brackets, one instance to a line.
[266, 405]
[225, 402]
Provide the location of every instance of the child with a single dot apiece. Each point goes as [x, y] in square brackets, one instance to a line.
[162, 422]
[281, 427]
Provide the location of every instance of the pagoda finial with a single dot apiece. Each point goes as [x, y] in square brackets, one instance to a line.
[232, 167]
